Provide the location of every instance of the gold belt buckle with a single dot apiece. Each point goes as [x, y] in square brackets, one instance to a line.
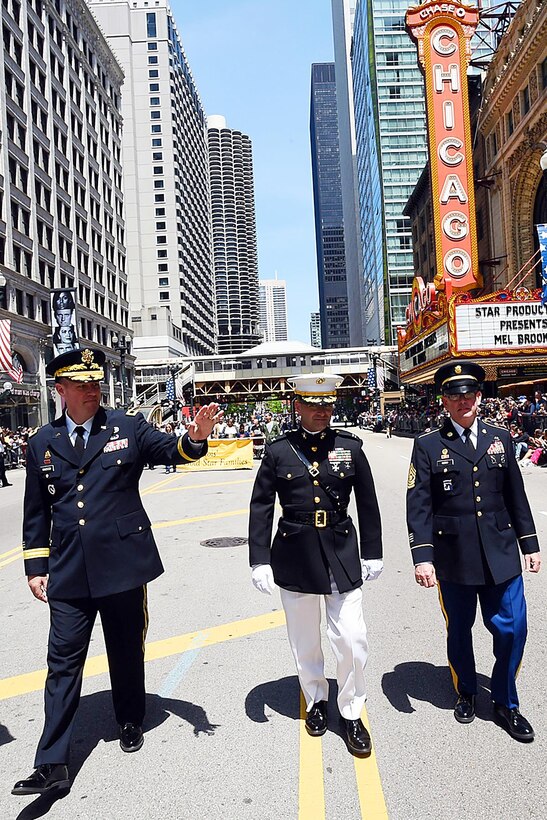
[321, 518]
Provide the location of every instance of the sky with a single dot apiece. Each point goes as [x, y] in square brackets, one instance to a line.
[251, 61]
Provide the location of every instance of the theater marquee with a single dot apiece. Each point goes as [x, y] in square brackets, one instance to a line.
[443, 32]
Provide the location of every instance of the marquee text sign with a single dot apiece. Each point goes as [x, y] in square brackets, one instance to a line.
[506, 326]
[443, 33]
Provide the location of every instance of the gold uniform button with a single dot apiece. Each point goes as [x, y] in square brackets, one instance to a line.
[440, 532]
[80, 487]
[342, 475]
[140, 528]
[81, 522]
[80, 504]
[119, 461]
[289, 475]
[316, 483]
[314, 449]
[479, 514]
[81, 472]
[477, 483]
[475, 469]
[478, 498]
[315, 464]
[317, 499]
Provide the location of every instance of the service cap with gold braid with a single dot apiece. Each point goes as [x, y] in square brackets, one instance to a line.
[316, 388]
[459, 377]
[82, 365]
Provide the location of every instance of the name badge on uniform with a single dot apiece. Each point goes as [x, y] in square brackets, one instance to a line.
[47, 468]
[120, 444]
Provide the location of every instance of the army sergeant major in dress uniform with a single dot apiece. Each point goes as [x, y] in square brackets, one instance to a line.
[89, 548]
[316, 552]
[469, 521]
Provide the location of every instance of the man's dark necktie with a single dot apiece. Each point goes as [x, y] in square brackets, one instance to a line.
[468, 441]
[79, 443]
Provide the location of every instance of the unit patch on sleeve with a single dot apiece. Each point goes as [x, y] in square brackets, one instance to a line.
[411, 481]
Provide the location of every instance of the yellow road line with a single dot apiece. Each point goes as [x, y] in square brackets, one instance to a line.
[98, 664]
[17, 557]
[311, 787]
[200, 486]
[210, 517]
[153, 487]
[10, 552]
[369, 785]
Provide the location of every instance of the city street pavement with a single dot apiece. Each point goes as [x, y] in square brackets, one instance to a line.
[223, 735]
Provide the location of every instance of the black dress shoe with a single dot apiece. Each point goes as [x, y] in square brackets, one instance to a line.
[44, 778]
[316, 719]
[515, 723]
[358, 739]
[464, 711]
[131, 737]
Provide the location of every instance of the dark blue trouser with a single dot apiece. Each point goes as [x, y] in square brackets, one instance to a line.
[503, 609]
[124, 619]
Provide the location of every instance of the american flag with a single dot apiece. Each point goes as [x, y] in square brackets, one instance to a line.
[371, 378]
[179, 389]
[380, 379]
[170, 388]
[12, 368]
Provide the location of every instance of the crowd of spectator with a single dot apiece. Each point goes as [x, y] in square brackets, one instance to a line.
[13, 446]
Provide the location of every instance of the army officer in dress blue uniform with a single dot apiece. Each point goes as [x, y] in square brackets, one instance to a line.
[469, 522]
[88, 548]
[316, 553]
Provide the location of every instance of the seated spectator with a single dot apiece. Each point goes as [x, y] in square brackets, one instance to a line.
[520, 440]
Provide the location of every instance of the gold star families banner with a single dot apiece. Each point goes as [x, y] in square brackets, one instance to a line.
[225, 454]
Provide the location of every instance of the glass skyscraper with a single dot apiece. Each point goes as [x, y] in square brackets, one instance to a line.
[391, 153]
[329, 218]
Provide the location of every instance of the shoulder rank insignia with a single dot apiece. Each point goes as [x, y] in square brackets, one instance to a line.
[132, 411]
[411, 481]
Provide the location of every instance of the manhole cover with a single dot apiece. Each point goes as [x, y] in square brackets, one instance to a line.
[224, 542]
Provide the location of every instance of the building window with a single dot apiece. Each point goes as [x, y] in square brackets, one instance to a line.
[159, 183]
[164, 295]
[154, 87]
[159, 197]
[153, 73]
[156, 142]
[510, 126]
[154, 100]
[161, 253]
[161, 240]
[525, 100]
[152, 46]
[151, 25]
[163, 267]
[544, 74]
[160, 212]
[158, 169]
[163, 282]
[152, 59]
[156, 129]
[157, 156]
[160, 226]
[155, 115]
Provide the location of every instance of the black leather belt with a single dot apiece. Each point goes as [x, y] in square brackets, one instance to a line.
[317, 518]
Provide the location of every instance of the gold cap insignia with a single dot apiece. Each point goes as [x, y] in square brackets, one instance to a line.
[320, 380]
[458, 369]
[87, 356]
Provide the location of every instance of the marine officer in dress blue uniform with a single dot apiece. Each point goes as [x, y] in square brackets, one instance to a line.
[469, 522]
[88, 548]
[316, 553]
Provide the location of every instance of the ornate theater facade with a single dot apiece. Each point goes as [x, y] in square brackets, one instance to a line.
[501, 324]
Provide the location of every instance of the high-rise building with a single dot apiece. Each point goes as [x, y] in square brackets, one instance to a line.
[329, 216]
[273, 310]
[391, 137]
[166, 182]
[343, 14]
[61, 201]
[234, 237]
[315, 329]
[391, 152]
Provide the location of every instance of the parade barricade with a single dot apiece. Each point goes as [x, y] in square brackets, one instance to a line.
[224, 454]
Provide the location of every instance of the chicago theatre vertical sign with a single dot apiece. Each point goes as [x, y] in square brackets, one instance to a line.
[443, 33]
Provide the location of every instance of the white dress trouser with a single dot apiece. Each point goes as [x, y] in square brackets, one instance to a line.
[347, 634]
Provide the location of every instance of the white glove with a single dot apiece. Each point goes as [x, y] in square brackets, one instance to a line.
[262, 578]
[372, 568]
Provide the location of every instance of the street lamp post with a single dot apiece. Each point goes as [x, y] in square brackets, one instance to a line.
[122, 345]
